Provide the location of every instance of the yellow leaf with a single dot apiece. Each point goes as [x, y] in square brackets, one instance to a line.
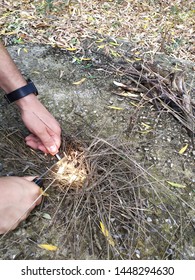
[183, 149]
[136, 105]
[48, 247]
[79, 82]
[107, 234]
[85, 58]
[101, 46]
[36, 72]
[100, 40]
[115, 54]
[145, 26]
[145, 131]
[113, 44]
[146, 125]
[129, 60]
[90, 18]
[42, 192]
[11, 32]
[71, 49]
[115, 108]
[25, 50]
[176, 185]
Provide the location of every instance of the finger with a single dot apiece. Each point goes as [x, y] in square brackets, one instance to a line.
[35, 143]
[32, 144]
[29, 178]
[48, 142]
[38, 192]
[43, 149]
[57, 140]
[56, 135]
[32, 137]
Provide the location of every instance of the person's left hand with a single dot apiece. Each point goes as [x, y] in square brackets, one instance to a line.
[46, 131]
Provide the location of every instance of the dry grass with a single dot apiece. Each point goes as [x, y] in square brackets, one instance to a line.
[151, 26]
[165, 89]
[142, 217]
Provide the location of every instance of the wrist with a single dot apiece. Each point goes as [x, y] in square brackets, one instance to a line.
[27, 101]
[21, 92]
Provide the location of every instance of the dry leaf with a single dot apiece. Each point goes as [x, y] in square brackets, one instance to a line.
[115, 54]
[176, 185]
[42, 192]
[107, 234]
[46, 216]
[85, 58]
[99, 41]
[113, 43]
[79, 82]
[71, 49]
[101, 46]
[145, 131]
[48, 247]
[136, 105]
[183, 149]
[19, 51]
[118, 84]
[146, 125]
[115, 108]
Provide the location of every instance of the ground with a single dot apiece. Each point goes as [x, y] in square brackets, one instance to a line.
[126, 209]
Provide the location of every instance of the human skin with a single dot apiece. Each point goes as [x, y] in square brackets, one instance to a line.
[45, 130]
[19, 196]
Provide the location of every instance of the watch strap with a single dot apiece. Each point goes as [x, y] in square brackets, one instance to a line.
[21, 92]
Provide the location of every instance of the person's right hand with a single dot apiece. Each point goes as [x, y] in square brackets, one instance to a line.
[18, 197]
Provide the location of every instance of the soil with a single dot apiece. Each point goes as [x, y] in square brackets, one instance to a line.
[84, 110]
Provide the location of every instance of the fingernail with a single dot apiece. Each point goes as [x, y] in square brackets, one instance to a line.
[53, 149]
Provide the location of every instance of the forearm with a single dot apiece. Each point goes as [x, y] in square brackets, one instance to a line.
[10, 77]
[43, 126]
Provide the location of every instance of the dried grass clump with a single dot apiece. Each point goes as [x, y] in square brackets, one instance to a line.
[165, 89]
[72, 172]
[110, 216]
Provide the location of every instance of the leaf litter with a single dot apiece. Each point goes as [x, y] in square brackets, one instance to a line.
[165, 26]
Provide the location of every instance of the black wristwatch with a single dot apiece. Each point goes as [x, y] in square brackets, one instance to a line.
[21, 92]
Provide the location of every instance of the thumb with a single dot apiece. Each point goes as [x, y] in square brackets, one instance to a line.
[39, 198]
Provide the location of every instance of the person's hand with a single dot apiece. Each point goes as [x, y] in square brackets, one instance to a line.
[46, 131]
[18, 197]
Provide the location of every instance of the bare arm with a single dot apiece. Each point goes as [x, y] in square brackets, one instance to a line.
[45, 130]
[10, 76]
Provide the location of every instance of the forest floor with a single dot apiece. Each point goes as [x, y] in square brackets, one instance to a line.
[137, 201]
